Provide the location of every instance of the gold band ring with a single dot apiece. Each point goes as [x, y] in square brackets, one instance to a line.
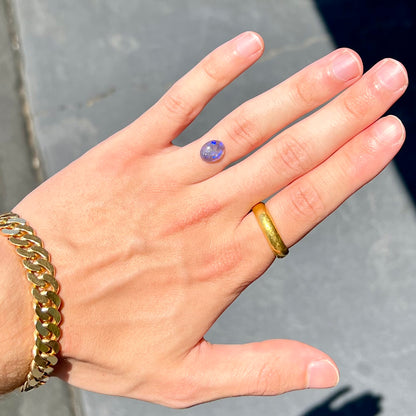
[269, 230]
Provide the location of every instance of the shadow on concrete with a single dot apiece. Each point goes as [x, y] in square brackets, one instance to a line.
[367, 404]
[377, 29]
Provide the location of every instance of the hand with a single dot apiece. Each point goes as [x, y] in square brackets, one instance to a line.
[151, 244]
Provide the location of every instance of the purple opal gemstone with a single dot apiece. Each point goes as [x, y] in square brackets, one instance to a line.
[212, 151]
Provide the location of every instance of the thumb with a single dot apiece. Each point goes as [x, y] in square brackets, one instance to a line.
[264, 368]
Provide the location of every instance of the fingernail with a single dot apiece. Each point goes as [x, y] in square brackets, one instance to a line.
[346, 66]
[389, 129]
[392, 75]
[248, 44]
[322, 374]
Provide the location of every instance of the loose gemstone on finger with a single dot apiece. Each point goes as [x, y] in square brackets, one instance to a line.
[212, 151]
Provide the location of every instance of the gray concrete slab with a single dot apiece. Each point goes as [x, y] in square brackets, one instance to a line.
[55, 398]
[17, 177]
[347, 288]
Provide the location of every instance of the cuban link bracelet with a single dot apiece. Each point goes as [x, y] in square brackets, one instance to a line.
[46, 302]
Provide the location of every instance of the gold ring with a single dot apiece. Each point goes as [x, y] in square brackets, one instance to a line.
[269, 230]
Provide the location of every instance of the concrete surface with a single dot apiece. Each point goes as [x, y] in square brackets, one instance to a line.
[348, 288]
[17, 178]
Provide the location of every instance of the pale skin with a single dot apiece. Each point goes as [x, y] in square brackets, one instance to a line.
[130, 226]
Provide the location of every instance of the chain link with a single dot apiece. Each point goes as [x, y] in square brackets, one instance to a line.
[46, 301]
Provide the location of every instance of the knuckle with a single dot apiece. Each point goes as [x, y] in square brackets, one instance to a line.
[264, 380]
[352, 165]
[243, 130]
[185, 391]
[293, 155]
[357, 106]
[349, 166]
[212, 69]
[307, 202]
[227, 259]
[198, 212]
[180, 401]
[306, 93]
[175, 390]
[178, 105]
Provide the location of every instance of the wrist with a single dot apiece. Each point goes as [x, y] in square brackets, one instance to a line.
[16, 320]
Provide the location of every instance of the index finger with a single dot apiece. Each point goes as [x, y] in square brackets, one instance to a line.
[187, 97]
